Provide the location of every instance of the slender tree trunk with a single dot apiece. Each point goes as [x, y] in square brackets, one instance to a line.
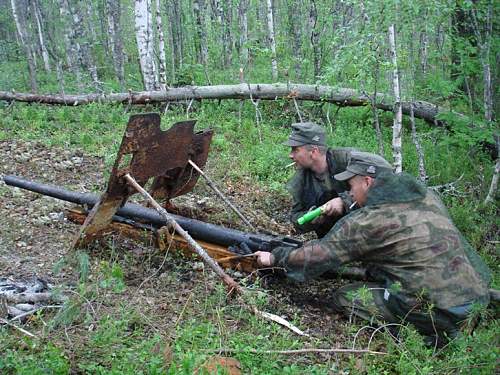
[176, 32]
[373, 102]
[114, 31]
[313, 23]
[19, 15]
[41, 38]
[243, 18]
[398, 112]
[295, 32]
[494, 180]
[70, 46]
[272, 40]
[144, 38]
[89, 41]
[227, 10]
[199, 8]
[161, 46]
[484, 43]
[421, 164]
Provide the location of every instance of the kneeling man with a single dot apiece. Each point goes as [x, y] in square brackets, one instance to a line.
[425, 272]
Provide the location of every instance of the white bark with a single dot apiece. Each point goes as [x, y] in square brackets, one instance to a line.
[494, 180]
[398, 111]
[161, 46]
[144, 38]
[114, 30]
[243, 18]
[421, 164]
[19, 16]
[72, 48]
[41, 39]
[272, 40]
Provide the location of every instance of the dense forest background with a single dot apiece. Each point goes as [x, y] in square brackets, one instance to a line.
[379, 59]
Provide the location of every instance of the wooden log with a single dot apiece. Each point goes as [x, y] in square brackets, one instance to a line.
[328, 94]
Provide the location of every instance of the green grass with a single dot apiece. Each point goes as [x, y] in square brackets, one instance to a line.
[124, 338]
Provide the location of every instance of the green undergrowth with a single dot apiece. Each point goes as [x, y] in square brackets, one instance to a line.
[125, 338]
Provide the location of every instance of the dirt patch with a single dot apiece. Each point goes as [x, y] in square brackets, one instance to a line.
[35, 238]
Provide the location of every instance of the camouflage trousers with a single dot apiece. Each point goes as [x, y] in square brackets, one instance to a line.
[372, 302]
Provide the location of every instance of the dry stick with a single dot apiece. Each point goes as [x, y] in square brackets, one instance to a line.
[16, 327]
[295, 351]
[17, 317]
[221, 195]
[228, 280]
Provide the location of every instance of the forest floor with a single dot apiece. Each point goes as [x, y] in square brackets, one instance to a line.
[163, 290]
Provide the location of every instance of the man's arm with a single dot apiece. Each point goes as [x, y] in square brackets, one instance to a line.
[346, 242]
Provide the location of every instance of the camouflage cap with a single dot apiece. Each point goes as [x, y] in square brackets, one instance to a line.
[364, 164]
[306, 133]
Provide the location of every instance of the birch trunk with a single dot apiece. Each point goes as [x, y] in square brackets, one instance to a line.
[161, 46]
[72, 56]
[494, 180]
[295, 32]
[88, 40]
[243, 18]
[114, 31]
[41, 38]
[227, 22]
[421, 164]
[144, 38]
[272, 40]
[19, 15]
[398, 112]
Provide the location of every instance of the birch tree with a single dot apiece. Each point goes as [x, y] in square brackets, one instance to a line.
[144, 39]
[398, 111]
[272, 40]
[199, 8]
[483, 34]
[41, 38]
[115, 38]
[313, 25]
[243, 26]
[161, 47]
[295, 33]
[19, 12]
[71, 47]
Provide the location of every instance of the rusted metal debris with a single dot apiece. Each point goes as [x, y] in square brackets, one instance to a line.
[154, 157]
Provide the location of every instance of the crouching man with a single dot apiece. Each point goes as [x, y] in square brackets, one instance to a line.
[425, 272]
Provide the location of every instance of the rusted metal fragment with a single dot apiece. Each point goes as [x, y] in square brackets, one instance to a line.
[149, 155]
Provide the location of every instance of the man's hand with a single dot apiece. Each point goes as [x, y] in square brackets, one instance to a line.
[334, 207]
[264, 258]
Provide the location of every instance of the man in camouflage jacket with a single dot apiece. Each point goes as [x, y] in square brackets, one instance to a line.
[313, 185]
[425, 272]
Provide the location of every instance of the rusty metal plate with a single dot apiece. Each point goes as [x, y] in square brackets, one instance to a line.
[149, 154]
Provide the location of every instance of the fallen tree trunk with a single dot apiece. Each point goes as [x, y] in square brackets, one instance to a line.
[340, 96]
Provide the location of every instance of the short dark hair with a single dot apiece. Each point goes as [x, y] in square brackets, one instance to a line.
[321, 149]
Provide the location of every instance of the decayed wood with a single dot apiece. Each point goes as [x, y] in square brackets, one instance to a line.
[162, 238]
[340, 96]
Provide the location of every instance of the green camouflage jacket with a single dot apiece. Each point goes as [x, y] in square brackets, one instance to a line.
[308, 191]
[406, 238]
